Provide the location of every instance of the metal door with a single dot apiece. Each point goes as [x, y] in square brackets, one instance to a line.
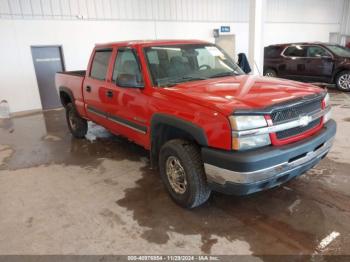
[47, 61]
[227, 43]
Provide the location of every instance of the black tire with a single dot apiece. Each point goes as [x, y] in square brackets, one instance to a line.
[77, 126]
[270, 73]
[197, 191]
[342, 81]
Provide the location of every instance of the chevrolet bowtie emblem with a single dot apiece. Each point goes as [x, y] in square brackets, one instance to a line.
[304, 120]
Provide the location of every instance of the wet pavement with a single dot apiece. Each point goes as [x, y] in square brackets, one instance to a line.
[60, 195]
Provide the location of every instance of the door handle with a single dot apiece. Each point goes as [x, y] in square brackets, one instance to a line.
[109, 93]
[88, 88]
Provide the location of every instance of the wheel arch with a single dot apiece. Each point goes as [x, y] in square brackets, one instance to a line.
[338, 71]
[66, 96]
[270, 67]
[166, 127]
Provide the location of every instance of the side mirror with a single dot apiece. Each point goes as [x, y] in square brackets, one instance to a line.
[129, 80]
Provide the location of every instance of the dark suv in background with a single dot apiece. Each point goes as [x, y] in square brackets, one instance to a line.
[309, 62]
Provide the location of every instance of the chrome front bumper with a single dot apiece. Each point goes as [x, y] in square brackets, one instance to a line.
[246, 172]
[222, 176]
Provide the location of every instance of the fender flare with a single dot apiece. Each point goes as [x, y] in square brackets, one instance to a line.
[67, 91]
[195, 131]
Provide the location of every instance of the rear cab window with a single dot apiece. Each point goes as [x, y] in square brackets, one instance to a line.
[100, 63]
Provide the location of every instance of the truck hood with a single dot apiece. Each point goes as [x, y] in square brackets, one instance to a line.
[227, 94]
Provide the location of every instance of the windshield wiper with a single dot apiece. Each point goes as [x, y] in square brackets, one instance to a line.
[222, 74]
[174, 82]
[188, 78]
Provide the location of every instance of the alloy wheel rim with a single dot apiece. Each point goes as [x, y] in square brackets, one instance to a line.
[176, 175]
[269, 74]
[344, 81]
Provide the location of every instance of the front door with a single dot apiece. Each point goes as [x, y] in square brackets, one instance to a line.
[128, 103]
[48, 60]
[319, 64]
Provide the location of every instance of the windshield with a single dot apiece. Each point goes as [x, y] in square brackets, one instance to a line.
[170, 65]
[339, 50]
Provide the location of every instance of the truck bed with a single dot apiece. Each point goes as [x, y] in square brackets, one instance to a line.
[72, 81]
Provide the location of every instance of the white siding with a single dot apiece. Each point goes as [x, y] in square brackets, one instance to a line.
[278, 11]
[159, 10]
[304, 11]
[345, 21]
[302, 20]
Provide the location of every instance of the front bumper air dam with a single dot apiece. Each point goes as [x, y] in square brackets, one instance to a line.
[243, 173]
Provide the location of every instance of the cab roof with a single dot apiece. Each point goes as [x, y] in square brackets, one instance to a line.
[304, 43]
[151, 43]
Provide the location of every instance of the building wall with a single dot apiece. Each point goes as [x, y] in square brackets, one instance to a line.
[344, 34]
[173, 10]
[302, 20]
[78, 24]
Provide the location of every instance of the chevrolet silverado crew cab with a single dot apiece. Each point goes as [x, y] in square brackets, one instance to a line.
[309, 62]
[207, 125]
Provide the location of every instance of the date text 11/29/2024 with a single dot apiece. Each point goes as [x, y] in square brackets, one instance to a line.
[173, 258]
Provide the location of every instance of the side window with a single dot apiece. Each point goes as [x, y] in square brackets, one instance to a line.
[295, 51]
[100, 64]
[126, 69]
[316, 51]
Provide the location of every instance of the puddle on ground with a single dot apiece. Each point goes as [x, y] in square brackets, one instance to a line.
[43, 139]
[279, 221]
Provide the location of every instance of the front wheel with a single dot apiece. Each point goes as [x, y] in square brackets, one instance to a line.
[77, 125]
[343, 81]
[182, 173]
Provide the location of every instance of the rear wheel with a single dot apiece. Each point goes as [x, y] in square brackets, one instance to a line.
[182, 173]
[77, 125]
[270, 73]
[342, 81]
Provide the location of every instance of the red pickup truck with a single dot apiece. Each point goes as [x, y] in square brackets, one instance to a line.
[208, 126]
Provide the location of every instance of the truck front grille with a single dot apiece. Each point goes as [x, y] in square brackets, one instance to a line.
[285, 115]
[292, 113]
[297, 130]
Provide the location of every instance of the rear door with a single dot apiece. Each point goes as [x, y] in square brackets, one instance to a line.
[295, 62]
[95, 86]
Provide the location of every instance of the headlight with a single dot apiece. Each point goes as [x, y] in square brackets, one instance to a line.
[244, 143]
[327, 117]
[239, 123]
[247, 122]
[326, 101]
